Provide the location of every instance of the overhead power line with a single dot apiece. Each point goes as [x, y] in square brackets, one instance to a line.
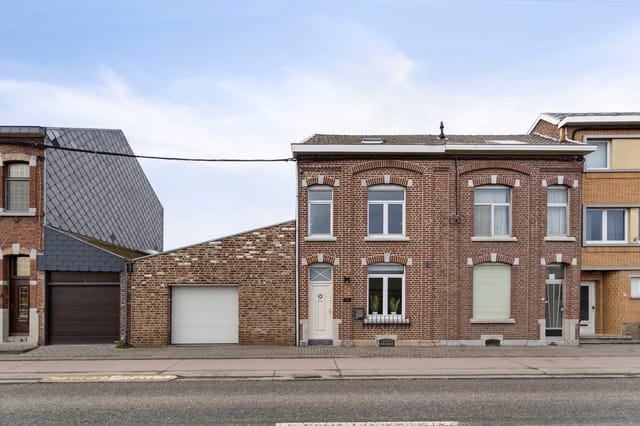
[158, 157]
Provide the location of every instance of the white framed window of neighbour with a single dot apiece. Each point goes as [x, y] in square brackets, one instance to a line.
[598, 159]
[492, 211]
[557, 210]
[386, 289]
[606, 225]
[635, 288]
[17, 187]
[386, 210]
[320, 210]
[491, 292]
[320, 274]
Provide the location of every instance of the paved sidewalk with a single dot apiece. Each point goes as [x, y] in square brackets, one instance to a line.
[104, 362]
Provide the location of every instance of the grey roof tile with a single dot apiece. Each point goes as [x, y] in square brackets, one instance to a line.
[324, 139]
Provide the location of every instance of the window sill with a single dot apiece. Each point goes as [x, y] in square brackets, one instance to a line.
[320, 238]
[609, 243]
[494, 239]
[30, 212]
[560, 238]
[386, 238]
[492, 321]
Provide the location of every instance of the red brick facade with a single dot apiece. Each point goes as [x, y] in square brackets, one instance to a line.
[22, 235]
[260, 263]
[439, 252]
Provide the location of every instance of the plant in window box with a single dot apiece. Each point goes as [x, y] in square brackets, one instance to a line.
[374, 304]
[394, 304]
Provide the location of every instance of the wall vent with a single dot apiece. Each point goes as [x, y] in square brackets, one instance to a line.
[386, 343]
[371, 140]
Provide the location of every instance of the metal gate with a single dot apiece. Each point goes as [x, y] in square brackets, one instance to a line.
[554, 299]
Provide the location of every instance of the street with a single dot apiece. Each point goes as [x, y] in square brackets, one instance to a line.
[467, 401]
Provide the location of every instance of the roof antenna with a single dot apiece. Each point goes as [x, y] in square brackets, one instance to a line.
[442, 136]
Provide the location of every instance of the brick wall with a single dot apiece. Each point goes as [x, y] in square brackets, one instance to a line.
[439, 224]
[260, 263]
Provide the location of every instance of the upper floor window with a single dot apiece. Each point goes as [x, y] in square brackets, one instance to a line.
[320, 210]
[606, 225]
[386, 289]
[386, 210]
[17, 187]
[557, 210]
[598, 159]
[492, 211]
[491, 292]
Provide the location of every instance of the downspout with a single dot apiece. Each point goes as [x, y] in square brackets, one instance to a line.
[297, 257]
[128, 267]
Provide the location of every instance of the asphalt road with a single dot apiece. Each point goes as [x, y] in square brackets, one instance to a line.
[477, 401]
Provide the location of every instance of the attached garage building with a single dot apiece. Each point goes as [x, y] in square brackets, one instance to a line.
[238, 289]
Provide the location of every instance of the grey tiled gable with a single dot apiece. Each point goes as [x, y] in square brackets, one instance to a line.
[104, 197]
[63, 252]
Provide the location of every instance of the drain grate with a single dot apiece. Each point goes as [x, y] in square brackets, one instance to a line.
[386, 343]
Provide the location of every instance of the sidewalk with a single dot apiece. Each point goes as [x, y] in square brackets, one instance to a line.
[104, 362]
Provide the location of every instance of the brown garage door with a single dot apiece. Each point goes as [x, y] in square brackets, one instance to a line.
[83, 308]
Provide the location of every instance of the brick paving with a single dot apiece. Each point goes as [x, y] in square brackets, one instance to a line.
[88, 352]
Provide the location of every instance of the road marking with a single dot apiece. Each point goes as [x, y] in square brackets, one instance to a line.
[110, 378]
[370, 424]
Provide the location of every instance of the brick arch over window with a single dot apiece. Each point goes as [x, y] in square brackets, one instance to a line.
[560, 180]
[320, 258]
[495, 180]
[504, 165]
[320, 180]
[387, 258]
[8, 250]
[559, 258]
[386, 180]
[387, 164]
[16, 157]
[493, 258]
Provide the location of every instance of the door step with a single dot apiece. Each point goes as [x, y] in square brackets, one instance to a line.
[606, 339]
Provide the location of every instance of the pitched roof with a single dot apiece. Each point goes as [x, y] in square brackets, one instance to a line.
[106, 198]
[325, 139]
[562, 115]
[561, 119]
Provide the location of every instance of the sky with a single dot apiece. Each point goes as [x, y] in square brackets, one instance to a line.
[245, 79]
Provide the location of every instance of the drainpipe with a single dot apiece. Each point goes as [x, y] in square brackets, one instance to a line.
[297, 256]
[128, 267]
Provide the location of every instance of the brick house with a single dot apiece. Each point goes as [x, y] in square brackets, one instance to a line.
[238, 289]
[69, 223]
[430, 240]
[610, 289]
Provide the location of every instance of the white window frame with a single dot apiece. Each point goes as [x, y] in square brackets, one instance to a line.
[492, 235]
[599, 141]
[9, 178]
[320, 202]
[605, 211]
[384, 311]
[559, 205]
[478, 314]
[634, 291]
[385, 209]
[321, 276]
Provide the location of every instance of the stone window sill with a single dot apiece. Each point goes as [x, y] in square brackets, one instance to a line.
[493, 321]
[30, 212]
[320, 238]
[386, 238]
[564, 238]
[494, 239]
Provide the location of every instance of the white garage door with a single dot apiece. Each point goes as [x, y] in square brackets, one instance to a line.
[204, 315]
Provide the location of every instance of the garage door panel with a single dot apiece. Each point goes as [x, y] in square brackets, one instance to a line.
[84, 313]
[202, 315]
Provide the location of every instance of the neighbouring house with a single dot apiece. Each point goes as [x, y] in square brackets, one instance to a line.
[70, 223]
[439, 240]
[238, 289]
[610, 269]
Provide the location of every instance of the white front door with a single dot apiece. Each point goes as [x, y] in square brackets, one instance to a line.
[320, 305]
[587, 308]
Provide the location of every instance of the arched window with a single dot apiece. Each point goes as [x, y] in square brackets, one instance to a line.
[17, 187]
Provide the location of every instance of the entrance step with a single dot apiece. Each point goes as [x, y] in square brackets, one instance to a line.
[16, 348]
[606, 339]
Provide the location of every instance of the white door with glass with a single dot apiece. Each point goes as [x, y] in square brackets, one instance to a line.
[320, 304]
[587, 308]
[554, 299]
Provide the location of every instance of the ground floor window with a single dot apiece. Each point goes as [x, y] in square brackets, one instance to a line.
[491, 292]
[386, 289]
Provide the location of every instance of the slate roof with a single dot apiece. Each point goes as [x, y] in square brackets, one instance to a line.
[324, 139]
[103, 197]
